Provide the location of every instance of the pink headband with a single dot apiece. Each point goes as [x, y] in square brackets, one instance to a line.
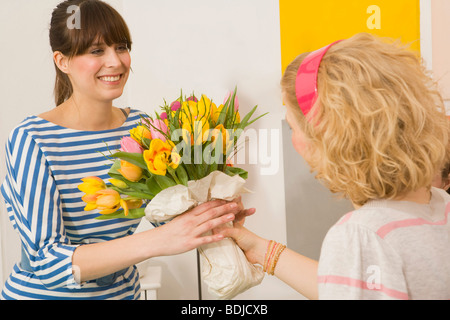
[306, 81]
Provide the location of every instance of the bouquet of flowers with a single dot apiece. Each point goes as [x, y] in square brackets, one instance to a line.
[173, 161]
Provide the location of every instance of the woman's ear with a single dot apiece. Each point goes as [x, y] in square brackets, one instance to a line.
[61, 61]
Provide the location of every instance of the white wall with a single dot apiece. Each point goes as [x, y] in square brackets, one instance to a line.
[210, 47]
[26, 86]
[197, 45]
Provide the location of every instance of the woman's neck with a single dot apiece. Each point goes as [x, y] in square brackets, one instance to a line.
[82, 114]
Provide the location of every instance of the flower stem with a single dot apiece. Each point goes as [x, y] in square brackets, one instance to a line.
[174, 175]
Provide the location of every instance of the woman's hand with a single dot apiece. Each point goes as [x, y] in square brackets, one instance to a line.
[187, 231]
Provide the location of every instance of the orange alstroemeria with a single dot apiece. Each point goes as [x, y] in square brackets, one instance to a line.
[160, 156]
[130, 171]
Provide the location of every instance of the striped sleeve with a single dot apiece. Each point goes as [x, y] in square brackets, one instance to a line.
[355, 263]
[34, 206]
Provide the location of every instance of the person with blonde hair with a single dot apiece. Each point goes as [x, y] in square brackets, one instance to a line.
[370, 122]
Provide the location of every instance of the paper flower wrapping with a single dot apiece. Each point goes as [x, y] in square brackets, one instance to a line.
[174, 161]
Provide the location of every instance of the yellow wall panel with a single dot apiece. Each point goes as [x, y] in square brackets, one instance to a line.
[307, 25]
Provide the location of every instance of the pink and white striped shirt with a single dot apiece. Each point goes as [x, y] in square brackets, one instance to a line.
[389, 250]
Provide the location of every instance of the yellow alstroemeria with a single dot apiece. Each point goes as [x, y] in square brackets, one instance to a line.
[140, 132]
[130, 171]
[106, 200]
[91, 185]
[160, 156]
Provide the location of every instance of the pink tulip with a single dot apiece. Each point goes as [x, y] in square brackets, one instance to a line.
[158, 124]
[174, 106]
[163, 116]
[128, 144]
[192, 98]
[236, 100]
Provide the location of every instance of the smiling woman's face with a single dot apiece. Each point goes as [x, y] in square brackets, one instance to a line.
[101, 73]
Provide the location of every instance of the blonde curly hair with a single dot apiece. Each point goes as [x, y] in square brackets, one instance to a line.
[378, 128]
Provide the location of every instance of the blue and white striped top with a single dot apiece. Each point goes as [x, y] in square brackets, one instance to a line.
[45, 163]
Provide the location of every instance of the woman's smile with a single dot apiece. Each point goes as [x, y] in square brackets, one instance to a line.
[111, 79]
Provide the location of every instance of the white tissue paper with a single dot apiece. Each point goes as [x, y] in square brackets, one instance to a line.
[225, 269]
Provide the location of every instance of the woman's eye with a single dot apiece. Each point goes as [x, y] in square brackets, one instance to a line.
[97, 51]
[122, 48]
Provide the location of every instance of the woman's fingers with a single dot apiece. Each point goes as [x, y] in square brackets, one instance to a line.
[207, 206]
[214, 223]
[217, 209]
[195, 225]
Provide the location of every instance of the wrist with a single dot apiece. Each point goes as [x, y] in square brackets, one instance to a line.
[260, 250]
[273, 252]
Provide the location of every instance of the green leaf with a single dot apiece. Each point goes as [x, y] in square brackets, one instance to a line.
[191, 172]
[132, 214]
[114, 169]
[232, 171]
[133, 193]
[134, 158]
[247, 117]
[222, 116]
[146, 142]
[249, 123]
[182, 175]
[164, 182]
[153, 186]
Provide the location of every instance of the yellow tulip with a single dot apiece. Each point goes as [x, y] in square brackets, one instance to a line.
[238, 118]
[118, 183]
[91, 201]
[127, 205]
[91, 185]
[160, 156]
[106, 200]
[227, 140]
[189, 111]
[196, 130]
[140, 132]
[215, 112]
[205, 105]
[130, 171]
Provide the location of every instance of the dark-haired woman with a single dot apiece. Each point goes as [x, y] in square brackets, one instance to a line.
[66, 252]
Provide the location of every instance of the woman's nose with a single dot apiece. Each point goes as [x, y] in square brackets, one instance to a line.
[112, 58]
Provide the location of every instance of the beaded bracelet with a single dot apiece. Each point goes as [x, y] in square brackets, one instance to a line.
[274, 249]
